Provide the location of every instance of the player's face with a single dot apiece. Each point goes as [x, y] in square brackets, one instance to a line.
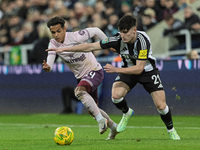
[129, 36]
[58, 33]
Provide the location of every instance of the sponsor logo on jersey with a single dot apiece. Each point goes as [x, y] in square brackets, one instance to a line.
[81, 58]
[105, 41]
[126, 56]
[142, 54]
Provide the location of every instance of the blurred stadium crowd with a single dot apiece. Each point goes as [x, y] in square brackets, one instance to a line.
[24, 21]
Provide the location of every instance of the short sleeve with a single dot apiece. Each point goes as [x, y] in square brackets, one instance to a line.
[143, 47]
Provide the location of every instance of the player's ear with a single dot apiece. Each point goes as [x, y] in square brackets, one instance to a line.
[134, 29]
[64, 28]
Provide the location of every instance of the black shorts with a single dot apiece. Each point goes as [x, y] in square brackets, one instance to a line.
[150, 80]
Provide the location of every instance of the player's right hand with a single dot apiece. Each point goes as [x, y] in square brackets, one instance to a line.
[112, 49]
[46, 67]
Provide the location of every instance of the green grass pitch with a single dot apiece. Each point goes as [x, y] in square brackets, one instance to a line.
[35, 132]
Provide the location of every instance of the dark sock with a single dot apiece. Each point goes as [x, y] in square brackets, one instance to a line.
[122, 106]
[167, 119]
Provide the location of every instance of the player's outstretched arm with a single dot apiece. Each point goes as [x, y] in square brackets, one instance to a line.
[136, 70]
[87, 47]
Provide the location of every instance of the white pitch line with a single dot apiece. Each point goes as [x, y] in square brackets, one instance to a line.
[24, 125]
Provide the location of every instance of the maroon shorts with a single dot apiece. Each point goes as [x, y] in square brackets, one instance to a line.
[91, 81]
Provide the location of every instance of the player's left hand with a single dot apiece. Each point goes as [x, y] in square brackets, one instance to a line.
[110, 68]
[46, 67]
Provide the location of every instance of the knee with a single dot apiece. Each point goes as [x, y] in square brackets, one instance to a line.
[116, 95]
[79, 93]
[164, 111]
[161, 106]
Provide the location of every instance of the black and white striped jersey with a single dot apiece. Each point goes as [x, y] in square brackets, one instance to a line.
[140, 50]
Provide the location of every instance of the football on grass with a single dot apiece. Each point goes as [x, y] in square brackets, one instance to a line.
[63, 136]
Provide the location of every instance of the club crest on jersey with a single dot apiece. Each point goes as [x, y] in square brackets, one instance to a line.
[81, 32]
[105, 41]
[142, 54]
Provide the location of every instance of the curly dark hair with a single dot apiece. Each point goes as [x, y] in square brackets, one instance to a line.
[126, 22]
[56, 20]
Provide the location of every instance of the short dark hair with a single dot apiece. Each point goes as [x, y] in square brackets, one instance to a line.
[56, 20]
[126, 22]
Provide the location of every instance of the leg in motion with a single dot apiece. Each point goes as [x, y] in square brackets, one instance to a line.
[111, 124]
[119, 90]
[92, 107]
[165, 113]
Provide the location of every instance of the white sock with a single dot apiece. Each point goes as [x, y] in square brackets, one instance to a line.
[105, 115]
[170, 130]
[165, 111]
[129, 112]
[99, 117]
[89, 103]
[114, 126]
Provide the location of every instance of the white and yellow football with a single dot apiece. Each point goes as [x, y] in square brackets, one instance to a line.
[63, 136]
